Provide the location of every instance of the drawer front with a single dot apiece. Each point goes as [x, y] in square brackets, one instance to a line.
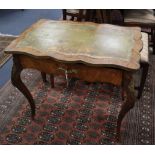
[95, 74]
[81, 71]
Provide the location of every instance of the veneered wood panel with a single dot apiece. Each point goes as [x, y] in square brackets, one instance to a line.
[81, 71]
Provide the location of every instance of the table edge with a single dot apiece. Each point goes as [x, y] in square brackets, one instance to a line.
[132, 64]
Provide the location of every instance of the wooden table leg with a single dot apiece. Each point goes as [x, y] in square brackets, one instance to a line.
[152, 39]
[128, 87]
[17, 82]
[52, 80]
[43, 75]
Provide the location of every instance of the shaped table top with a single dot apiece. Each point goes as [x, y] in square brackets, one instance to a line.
[85, 42]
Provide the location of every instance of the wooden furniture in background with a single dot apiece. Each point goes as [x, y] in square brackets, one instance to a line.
[92, 15]
[144, 63]
[88, 51]
[75, 14]
[143, 18]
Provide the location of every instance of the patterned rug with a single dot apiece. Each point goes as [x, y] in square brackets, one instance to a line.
[5, 40]
[80, 114]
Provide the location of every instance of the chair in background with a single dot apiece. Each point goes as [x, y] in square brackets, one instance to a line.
[143, 18]
[144, 63]
[75, 14]
[91, 15]
[99, 16]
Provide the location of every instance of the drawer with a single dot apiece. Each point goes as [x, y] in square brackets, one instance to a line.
[77, 70]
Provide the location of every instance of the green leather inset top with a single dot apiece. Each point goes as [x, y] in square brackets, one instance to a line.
[49, 38]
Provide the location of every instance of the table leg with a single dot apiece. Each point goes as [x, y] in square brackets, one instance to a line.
[43, 75]
[153, 40]
[17, 82]
[52, 80]
[128, 87]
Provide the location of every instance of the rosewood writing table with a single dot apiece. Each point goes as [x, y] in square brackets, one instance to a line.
[88, 51]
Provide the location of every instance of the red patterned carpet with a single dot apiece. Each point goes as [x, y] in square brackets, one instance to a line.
[80, 114]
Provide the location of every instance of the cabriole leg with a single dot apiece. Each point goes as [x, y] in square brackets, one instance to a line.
[17, 82]
[128, 103]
